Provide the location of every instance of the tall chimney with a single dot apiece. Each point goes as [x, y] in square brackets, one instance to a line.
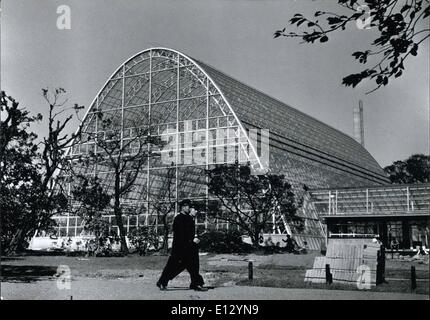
[358, 123]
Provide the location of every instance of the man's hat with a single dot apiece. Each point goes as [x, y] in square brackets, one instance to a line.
[185, 202]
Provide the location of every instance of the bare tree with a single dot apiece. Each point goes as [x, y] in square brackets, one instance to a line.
[164, 203]
[123, 156]
[58, 141]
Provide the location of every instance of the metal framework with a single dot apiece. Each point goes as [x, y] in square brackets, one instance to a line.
[205, 116]
[167, 93]
[383, 200]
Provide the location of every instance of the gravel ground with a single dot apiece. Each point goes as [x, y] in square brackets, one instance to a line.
[131, 289]
[35, 277]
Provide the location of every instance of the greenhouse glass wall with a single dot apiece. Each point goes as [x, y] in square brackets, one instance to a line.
[207, 118]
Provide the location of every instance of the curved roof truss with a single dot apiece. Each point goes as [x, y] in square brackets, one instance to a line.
[164, 87]
[165, 81]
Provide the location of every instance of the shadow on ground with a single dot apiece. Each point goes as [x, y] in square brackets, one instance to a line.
[3, 259]
[11, 273]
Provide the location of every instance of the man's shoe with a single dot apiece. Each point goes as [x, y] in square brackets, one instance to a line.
[162, 287]
[198, 288]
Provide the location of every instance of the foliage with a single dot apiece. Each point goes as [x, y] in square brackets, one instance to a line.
[19, 178]
[92, 200]
[143, 239]
[396, 21]
[249, 201]
[28, 168]
[415, 169]
[57, 142]
[223, 241]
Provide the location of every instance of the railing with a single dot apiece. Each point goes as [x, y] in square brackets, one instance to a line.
[352, 235]
[391, 200]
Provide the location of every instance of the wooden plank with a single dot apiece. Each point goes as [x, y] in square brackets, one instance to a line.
[344, 257]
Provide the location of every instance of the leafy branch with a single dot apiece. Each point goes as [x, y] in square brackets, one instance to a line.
[398, 37]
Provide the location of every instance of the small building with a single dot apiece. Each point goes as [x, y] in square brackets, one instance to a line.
[390, 212]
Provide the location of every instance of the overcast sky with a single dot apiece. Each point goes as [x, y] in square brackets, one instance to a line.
[235, 37]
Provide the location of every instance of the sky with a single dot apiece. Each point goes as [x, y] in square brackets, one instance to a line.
[234, 36]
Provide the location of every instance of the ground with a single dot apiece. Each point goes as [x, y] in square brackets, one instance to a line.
[277, 276]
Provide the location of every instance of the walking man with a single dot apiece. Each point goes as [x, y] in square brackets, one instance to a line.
[185, 252]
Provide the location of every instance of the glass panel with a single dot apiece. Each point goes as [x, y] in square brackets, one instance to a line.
[62, 222]
[138, 190]
[162, 60]
[217, 107]
[137, 117]
[163, 113]
[111, 95]
[89, 125]
[109, 120]
[162, 184]
[163, 86]
[192, 109]
[136, 90]
[137, 65]
[152, 218]
[192, 82]
[118, 73]
[79, 231]
[191, 182]
[133, 220]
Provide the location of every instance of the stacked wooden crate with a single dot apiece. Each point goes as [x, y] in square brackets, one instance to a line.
[348, 260]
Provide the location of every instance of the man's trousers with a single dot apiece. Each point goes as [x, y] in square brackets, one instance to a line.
[180, 261]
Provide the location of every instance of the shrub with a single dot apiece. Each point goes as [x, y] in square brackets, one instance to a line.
[144, 239]
[223, 241]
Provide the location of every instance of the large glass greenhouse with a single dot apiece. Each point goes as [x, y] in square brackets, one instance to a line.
[208, 118]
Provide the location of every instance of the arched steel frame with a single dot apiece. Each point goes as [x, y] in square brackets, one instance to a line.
[168, 77]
